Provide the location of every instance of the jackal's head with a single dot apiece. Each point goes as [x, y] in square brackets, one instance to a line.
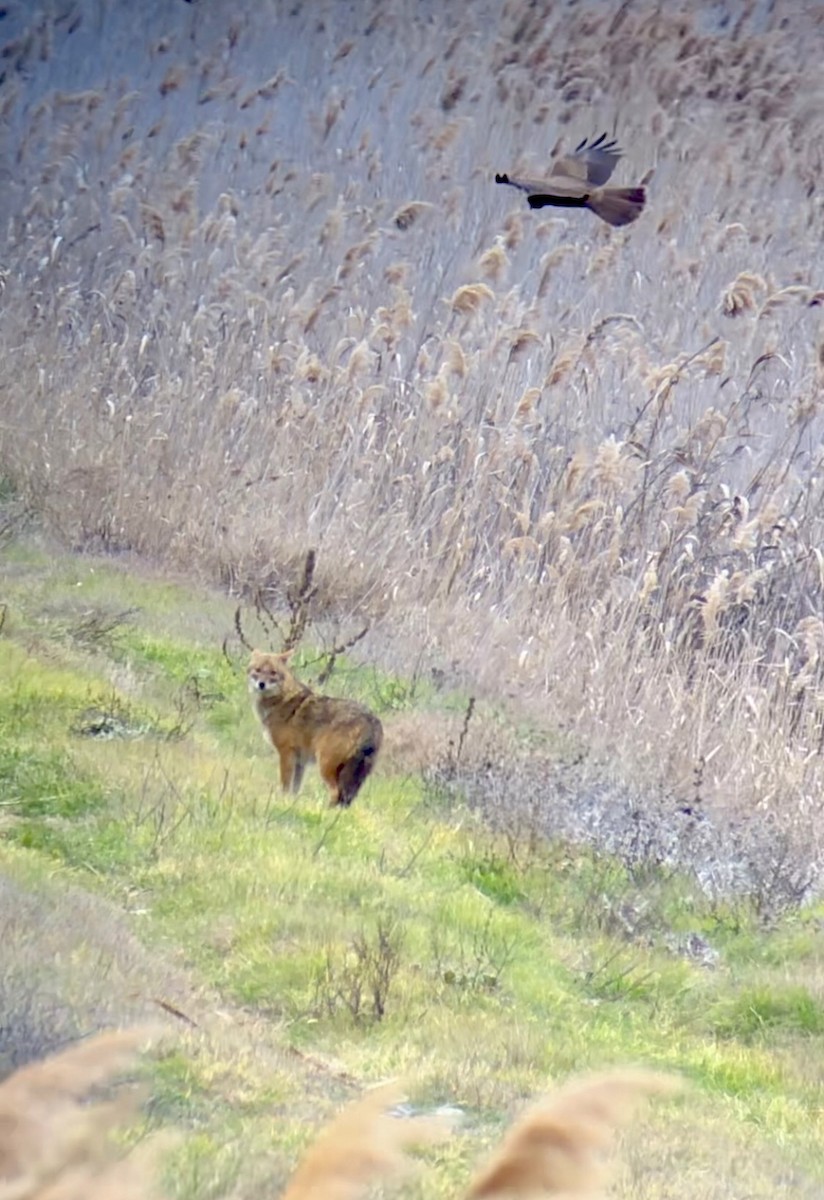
[269, 674]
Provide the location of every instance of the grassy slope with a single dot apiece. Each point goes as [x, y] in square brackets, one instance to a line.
[250, 915]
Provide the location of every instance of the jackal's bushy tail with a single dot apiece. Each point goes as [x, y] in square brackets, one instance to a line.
[364, 1144]
[556, 1147]
[353, 773]
[618, 205]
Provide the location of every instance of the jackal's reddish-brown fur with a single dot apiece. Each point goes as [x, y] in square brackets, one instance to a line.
[303, 726]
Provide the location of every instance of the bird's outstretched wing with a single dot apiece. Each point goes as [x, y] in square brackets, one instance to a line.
[590, 162]
[529, 185]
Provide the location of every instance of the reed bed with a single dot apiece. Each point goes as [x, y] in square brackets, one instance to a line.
[259, 293]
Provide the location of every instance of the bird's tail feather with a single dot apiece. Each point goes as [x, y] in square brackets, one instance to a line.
[617, 205]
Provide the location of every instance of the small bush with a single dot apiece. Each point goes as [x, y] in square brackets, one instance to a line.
[756, 1010]
[474, 959]
[493, 877]
[640, 832]
[358, 980]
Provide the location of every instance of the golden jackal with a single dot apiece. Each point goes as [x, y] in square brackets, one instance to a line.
[343, 736]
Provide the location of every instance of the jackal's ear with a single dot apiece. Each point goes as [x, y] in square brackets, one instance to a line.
[285, 655]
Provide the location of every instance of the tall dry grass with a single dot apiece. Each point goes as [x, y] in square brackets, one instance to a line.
[54, 1144]
[259, 293]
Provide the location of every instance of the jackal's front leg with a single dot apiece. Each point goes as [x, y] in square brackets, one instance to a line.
[290, 773]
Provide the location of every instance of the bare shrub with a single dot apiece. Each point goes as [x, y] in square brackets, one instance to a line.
[301, 603]
[478, 961]
[772, 862]
[359, 979]
[95, 627]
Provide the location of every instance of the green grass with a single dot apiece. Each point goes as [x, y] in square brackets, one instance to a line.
[756, 1012]
[390, 939]
[38, 783]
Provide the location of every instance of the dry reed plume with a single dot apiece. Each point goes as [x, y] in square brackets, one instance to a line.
[363, 1145]
[557, 1147]
[54, 1146]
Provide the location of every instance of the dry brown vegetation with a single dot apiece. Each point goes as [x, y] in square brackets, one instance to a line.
[557, 1147]
[59, 943]
[255, 301]
[54, 1145]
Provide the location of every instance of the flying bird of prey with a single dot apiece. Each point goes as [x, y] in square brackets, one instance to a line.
[576, 181]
